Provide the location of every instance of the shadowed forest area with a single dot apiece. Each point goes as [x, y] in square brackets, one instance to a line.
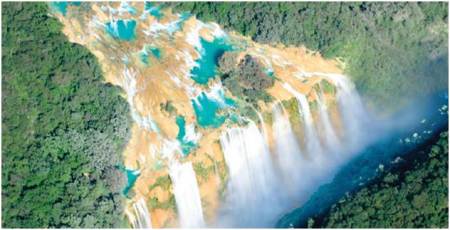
[413, 194]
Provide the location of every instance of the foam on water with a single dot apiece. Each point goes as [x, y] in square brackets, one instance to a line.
[313, 147]
[187, 195]
[132, 176]
[121, 29]
[206, 64]
[289, 155]
[187, 142]
[261, 184]
[332, 141]
[129, 85]
[142, 217]
[252, 184]
[206, 111]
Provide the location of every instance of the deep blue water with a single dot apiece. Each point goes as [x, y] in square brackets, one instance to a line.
[210, 53]
[432, 119]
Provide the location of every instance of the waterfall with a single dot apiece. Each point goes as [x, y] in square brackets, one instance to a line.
[260, 184]
[141, 216]
[252, 192]
[352, 111]
[331, 138]
[187, 195]
[263, 127]
[253, 197]
[143, 219]
[313, 147]
[289, 158]
[351, 108]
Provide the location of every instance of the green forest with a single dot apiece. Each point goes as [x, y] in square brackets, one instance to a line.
[63, 129]
[391, 49]
[413, 198]
[393, 52]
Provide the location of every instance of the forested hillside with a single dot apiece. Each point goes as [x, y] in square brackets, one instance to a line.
[393, 51]
[415, 198]
[63, 129]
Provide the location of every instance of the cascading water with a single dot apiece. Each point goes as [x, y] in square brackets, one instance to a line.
[351, 109]
[289, 156]
[252, 183]
[187, 195]
[313, 147]
[331, 138]
[263, 127]
[252, 191]
[143, 219]
[261, 184]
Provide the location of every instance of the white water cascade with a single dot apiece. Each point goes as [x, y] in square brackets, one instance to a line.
[352, 110]
[187, 195]
[142, 219]
[332, 141]
[313, 148]
[288, 154]
[253, 197]
[252, 184]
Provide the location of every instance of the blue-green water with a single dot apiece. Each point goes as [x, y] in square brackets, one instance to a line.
[181, 127]
[144, 57]
[130, 9]
[210, 53]
[132, 176]
[186, 146]
[178, 24]
[155, 11]
[156, 52]
[122, 29]
[228, 101]
[184, 16]
[269, 73]
[206, 112]
[61, 7]
[144, 54]
[234, 118]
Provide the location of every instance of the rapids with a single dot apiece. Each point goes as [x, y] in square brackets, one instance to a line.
[193, 140]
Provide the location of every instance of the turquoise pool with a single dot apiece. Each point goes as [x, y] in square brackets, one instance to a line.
[210, 53]
[122, 29]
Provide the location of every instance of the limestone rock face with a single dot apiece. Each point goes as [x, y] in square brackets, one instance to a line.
[198, 148]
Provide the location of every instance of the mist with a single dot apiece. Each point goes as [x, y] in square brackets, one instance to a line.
[266, 184]
[393, 137]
